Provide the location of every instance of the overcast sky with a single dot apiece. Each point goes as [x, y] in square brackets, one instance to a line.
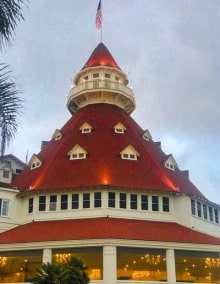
[170, 51]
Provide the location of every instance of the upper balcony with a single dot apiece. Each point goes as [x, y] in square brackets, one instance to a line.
[101, 91]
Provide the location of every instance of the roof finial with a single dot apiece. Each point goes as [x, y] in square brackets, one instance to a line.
[98, 20]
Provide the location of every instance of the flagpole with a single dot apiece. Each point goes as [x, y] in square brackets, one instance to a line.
[99, 18]
[101, 22]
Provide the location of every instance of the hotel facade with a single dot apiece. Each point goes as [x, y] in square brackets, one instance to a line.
[103, 190]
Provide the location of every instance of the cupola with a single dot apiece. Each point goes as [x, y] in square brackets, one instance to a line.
[101, 81]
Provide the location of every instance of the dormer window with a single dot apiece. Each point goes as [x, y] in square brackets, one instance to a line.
[77, 152]
[129, 153]
[170, 163]
[86, 128]
[119, 128]
[57, 135]
[146, 135]
[35, 162]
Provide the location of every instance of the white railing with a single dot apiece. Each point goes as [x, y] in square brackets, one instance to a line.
[98, 84]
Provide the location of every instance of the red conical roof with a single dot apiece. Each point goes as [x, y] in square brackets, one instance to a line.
[101, 57]
[103, 164]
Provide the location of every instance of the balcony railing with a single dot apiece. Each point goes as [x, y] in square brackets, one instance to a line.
[100, 84]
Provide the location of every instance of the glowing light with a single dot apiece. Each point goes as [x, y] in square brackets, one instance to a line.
[95, 274]
[3, 260]
[62, 257]
[212, 262]
[140, 275]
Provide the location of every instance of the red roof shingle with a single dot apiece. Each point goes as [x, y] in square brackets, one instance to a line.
[103, 164]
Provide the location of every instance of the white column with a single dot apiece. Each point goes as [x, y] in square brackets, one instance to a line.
[171, 270]
[109, 264]
[47, 255]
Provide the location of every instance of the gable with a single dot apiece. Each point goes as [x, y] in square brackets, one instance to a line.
[129, 153]
[34, 162]
[77, 152]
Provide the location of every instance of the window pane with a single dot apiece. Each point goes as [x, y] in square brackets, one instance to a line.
[133, 201]
[64, 202]
[210, 213]
[53, 203]
[19, 266]
[31, 205]
[122, 200]
[75, 201]
[155, 203]
[205, 212]
[141, 264]
[216, 216]
[199, 209]
[198, 267]
[5, 174]
[86, 200]
[111, 199]
[97, 199]
[144, 202]
[42, 203]
[91, 255]
[5, 207]
[193, 207]
[166, 204]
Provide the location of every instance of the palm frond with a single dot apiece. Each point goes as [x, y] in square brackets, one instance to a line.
[10, 107]
[10, 15]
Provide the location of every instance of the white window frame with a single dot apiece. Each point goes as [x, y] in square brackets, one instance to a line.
[86, 130]
[78, 156]
[58, 137]
[170, 166]
[127, 156]
[35, 165]
[7, 173]
[4, 208]
[119, 130]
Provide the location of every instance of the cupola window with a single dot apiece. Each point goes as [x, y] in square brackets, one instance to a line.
[146, 135]
[57, 135]
[95, 75]
[119, 128]
[129, 153]
[170, 163]
[35, 162]
[117, 82]
[86, 128]
[77, 152]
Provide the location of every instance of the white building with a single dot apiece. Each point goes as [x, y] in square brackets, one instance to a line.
[102, 189]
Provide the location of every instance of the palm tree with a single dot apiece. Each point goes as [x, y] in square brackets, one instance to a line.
[76, 271]
[10, 102]
[73, 271]
[49, 273]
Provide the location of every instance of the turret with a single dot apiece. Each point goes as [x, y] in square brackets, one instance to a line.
[101, 81]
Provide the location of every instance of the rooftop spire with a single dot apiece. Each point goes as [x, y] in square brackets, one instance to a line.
[101, 56]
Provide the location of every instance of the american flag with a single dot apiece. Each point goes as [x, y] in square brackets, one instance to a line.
[98, 20]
